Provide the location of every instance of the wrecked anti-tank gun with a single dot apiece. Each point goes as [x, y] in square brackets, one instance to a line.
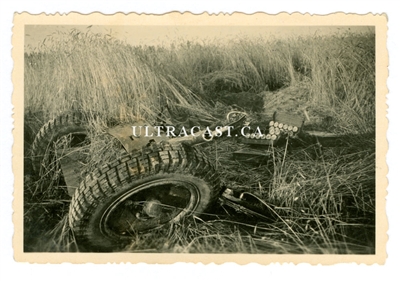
[159, 179]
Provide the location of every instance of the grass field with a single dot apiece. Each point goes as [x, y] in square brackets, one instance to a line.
[325, 203]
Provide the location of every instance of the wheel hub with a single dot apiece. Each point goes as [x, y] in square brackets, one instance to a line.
[153, 208]
[149, 206]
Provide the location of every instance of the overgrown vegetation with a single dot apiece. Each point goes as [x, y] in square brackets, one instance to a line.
[325, 201]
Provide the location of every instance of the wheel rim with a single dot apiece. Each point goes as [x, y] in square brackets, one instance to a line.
[149, 206]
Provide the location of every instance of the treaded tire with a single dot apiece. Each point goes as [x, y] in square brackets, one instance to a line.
[157, 168]
[69, 123]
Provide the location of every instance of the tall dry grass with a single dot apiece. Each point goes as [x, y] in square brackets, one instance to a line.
[325, 202]
[95, 72]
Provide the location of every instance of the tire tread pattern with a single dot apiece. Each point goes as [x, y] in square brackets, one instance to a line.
[162, 158]
[62, 125]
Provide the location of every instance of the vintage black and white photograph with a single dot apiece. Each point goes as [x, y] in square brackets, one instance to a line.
[199, 139]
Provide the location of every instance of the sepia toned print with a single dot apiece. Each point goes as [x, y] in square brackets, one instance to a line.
[254, 138]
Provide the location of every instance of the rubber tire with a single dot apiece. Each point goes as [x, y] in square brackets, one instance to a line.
[102, 187]
[70, 123]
